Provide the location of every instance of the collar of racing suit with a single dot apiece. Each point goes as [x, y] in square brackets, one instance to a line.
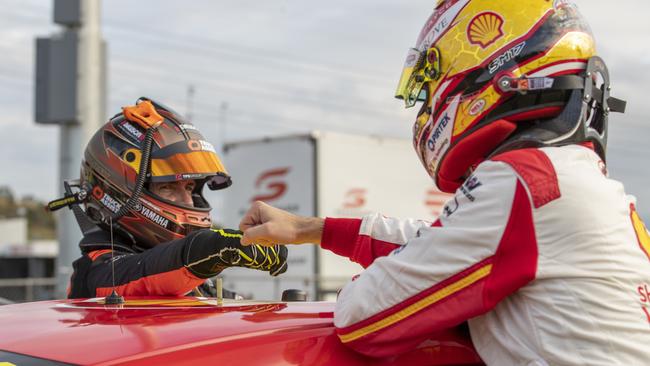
[100, 239]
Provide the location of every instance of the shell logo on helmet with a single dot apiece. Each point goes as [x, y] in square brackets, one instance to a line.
[485, 28]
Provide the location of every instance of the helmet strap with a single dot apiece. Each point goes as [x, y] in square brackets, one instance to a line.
[583, 119]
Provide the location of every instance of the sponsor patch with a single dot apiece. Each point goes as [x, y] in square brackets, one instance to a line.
[150, 204]
[188, 176]
[462, 98]
[477, 107]
[506, 57]
[411, 60]
[131, 131]
[197, 145]
[558, 4]
[188, 126]
[440, 136]
[450, 207]
[206, 146]
[114, 206]
[153, 216]
[439, 22]
[110, 203]
[437, 131]
[470, 184]
[485, 29]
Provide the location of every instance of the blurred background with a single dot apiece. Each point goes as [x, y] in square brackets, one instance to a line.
[253, 69]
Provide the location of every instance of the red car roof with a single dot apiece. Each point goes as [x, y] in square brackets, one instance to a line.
[198, 331]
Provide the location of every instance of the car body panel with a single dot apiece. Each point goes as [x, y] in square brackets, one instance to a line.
[192, 330]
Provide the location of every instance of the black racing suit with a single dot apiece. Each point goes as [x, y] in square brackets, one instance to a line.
[168, 269]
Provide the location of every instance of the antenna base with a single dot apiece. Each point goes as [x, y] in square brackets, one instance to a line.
[113, 299]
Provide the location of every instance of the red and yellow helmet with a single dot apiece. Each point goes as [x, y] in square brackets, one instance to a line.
[110, 173]
[483, 69]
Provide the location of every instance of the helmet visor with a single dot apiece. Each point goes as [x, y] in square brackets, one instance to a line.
[410, 82]
[420, 68]
[193, 159]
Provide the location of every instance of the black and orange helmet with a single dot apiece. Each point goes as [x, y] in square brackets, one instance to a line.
[149, 143]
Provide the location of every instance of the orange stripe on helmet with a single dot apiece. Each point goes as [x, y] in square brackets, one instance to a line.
[196, 162]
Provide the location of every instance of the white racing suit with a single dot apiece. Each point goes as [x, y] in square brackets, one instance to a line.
[539, 250]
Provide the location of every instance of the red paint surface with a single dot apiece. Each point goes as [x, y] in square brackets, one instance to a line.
[243, 333]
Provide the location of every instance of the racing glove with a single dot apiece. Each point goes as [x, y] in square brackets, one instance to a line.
[208, 252]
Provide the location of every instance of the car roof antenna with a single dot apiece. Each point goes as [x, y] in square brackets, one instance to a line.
[114, 298]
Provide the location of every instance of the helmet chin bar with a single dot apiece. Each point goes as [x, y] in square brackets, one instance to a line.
[583, 119]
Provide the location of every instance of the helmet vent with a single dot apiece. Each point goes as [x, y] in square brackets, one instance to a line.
[170, 214]
[129, 156]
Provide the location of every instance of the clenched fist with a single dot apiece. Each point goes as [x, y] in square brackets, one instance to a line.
[267, 225]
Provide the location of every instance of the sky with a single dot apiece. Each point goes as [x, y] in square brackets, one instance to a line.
[281, 67]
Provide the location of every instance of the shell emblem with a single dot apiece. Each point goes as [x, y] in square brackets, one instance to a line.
[485, 29]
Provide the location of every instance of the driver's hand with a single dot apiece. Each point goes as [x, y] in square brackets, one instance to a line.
[267, 225]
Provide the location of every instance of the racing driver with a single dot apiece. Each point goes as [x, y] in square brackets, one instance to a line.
[146, 225]
[539, 250]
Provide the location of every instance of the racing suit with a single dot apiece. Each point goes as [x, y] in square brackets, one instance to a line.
[542, 254]
[168, 269]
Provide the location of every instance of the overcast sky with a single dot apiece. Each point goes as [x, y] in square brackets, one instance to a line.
[281, 66]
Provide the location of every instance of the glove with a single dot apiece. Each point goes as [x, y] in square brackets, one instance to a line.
[211, 251]
[272, 259]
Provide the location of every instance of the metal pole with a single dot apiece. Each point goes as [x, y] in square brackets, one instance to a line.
[91, 97]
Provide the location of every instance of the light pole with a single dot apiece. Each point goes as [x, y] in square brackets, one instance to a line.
[71, 92]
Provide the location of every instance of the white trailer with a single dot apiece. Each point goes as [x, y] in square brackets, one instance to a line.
[322, 174]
